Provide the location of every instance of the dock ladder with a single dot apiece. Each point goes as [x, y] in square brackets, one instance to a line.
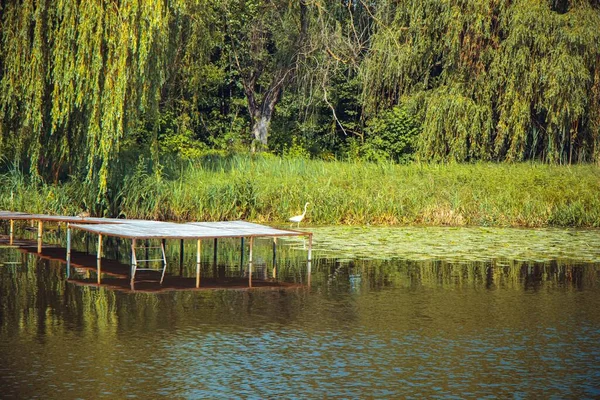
[148, 260]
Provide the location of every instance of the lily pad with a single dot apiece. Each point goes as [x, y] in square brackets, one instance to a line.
[454, 244]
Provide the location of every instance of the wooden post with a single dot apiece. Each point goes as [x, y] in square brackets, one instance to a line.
[274, 258]
[12, 229]
[198, 250]
[68, 251]
[215, 254]
[242, 255]
[181, 257]
[39, 237]
[214, 266]
[309, 263]
[164, 257]
[250, 262]
[99, 258]
[133, 263]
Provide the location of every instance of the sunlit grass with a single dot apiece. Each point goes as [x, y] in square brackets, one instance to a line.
[271, 189]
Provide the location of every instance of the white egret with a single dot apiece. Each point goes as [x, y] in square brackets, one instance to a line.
[298, 218]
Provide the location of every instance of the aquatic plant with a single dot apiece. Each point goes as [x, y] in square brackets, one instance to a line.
[270, 189]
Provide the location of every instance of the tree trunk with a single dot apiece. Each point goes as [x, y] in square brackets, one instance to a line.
[262, 120]
[260, 129]
[263, 112]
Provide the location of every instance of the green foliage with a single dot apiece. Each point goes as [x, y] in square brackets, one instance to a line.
[392, 136]
[75, 76]
[86, 88]
[495, 80]
[141, 193]
[270, 189]
[175, 137]
[296, 150]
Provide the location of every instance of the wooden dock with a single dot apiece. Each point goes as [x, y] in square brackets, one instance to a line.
[117, 274]
[138, 230]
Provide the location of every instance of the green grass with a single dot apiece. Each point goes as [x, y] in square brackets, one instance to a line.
[271, 189]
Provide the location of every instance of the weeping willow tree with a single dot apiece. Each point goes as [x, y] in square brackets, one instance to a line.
[491, 79]
[76, 75]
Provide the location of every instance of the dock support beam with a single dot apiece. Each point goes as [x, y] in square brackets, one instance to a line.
[215, 268]
[198, 250]
[68, 251]
[99, 258]
[12, 230]
[39, 236]
[163, 244]
[181, 257]
[274, 258]
[133, 263]
[242, 255]
[215, 254]
[309, 262]
[250, 262]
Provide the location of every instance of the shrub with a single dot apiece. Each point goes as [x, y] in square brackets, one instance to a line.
[391, 135]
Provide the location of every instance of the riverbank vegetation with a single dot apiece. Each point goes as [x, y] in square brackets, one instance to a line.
[270, 189]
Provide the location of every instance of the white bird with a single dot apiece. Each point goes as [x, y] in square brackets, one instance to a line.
[298, 218]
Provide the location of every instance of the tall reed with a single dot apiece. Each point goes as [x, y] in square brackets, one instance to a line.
[271, 189]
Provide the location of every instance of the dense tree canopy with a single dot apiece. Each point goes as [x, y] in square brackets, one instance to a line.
[84, 82]
[503, 80]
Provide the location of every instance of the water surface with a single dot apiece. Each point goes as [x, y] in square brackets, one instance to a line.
[387, 327]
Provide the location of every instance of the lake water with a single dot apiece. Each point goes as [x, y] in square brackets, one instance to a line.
[382, 326]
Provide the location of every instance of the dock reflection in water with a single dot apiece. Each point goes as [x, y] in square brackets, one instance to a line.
[177, 283]
[237, 274]
[386, 329]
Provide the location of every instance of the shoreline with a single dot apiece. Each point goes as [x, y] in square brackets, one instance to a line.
[270, 189]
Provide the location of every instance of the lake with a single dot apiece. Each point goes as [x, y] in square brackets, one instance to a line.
[390, 312]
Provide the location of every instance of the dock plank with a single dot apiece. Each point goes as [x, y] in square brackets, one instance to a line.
[146, 229]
